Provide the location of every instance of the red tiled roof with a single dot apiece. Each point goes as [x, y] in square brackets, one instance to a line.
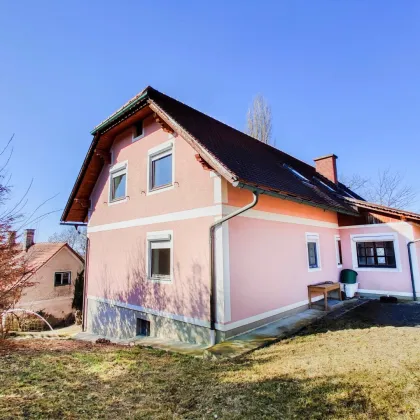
[379, 208]
[243, 160]
[39, 253]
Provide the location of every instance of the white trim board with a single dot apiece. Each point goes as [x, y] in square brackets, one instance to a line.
[215, 210]
[376, 225]
[203, 323]
[386, 292]
[278, 217]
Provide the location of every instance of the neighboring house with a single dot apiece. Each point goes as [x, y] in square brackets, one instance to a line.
[54, 267]
[158, 176]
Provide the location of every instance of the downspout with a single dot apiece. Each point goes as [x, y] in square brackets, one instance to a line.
[85, 285]
[411, 267]
[212, 262]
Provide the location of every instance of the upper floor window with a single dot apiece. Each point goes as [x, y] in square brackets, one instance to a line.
[160, 168]
[118, 183]
[62, 278]
[376, 254]
[138, 130]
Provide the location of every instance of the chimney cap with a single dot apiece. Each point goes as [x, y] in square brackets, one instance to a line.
[332, 155]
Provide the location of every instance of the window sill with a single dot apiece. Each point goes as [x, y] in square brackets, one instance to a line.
[61, 285]
[119, 201]
[134, 139]
[160, 189]
[378, 269]
[160, 279]
[310, 270]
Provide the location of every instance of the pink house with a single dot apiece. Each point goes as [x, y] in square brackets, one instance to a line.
[198, 232]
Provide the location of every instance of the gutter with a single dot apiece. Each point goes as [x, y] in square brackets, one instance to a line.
[411, 267]
[212, 262]
[290, 198]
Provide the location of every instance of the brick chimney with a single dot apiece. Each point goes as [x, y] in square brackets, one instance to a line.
[327, 166]
[11, 238]
[28, 238]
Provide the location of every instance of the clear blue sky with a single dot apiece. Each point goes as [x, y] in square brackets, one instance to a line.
[341, 76]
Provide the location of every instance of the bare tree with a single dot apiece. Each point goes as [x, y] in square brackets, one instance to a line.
[75, 238]
[259, 120]
[356, 182]
[15, 270]
[388, 188]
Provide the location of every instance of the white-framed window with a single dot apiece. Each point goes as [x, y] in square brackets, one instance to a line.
[138, 130]
[160, 168]
[118, 183]
[313, 251]
[338, 251]
[375, 252]
[160, 256]
[62, 278]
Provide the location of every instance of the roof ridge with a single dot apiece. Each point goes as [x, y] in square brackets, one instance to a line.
[250, 138]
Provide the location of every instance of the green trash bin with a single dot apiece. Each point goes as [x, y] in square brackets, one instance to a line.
[348, 276]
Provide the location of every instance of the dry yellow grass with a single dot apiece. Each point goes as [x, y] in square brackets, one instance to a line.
[351, 372]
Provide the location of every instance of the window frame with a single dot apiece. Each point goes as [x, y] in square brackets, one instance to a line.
[313, 238]
[62, 272]
[164, 237]
[379, 237]
[134, 138]
[338, 251]
[117, 170]
[161, 151]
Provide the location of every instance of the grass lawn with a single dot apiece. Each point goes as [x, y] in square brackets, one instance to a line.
[343, 368]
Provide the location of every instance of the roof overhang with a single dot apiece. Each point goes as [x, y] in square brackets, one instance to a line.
[384, 210]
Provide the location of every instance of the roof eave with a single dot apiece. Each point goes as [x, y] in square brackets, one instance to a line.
[119, 113]
[289, 197]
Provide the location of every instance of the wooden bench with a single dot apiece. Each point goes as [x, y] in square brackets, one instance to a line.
[323, 288]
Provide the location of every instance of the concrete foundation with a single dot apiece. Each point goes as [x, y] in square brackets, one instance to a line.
[117, 322]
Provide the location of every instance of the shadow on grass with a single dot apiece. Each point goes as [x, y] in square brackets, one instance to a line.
[135, 383]
[370, 314]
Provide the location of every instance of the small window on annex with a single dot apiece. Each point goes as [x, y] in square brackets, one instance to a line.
[62, 278]
[338, 251]
[312, 243]
[118, 180]
[376, 254]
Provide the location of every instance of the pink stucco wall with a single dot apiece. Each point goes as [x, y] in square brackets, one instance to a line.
[193, 186]
[376, 279]
[117, 268]
[54, 300]
[268, 259]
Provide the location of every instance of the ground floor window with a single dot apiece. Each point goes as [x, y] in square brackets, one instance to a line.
[339, 254]
[314, 258]
[376, 254]
[62, 278]
[159, 256]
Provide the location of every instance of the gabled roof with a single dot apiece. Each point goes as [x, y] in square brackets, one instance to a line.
[385, 210]
[241, 159]
[40, 253]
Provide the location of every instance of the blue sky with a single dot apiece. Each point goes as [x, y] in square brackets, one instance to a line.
[341, 77]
